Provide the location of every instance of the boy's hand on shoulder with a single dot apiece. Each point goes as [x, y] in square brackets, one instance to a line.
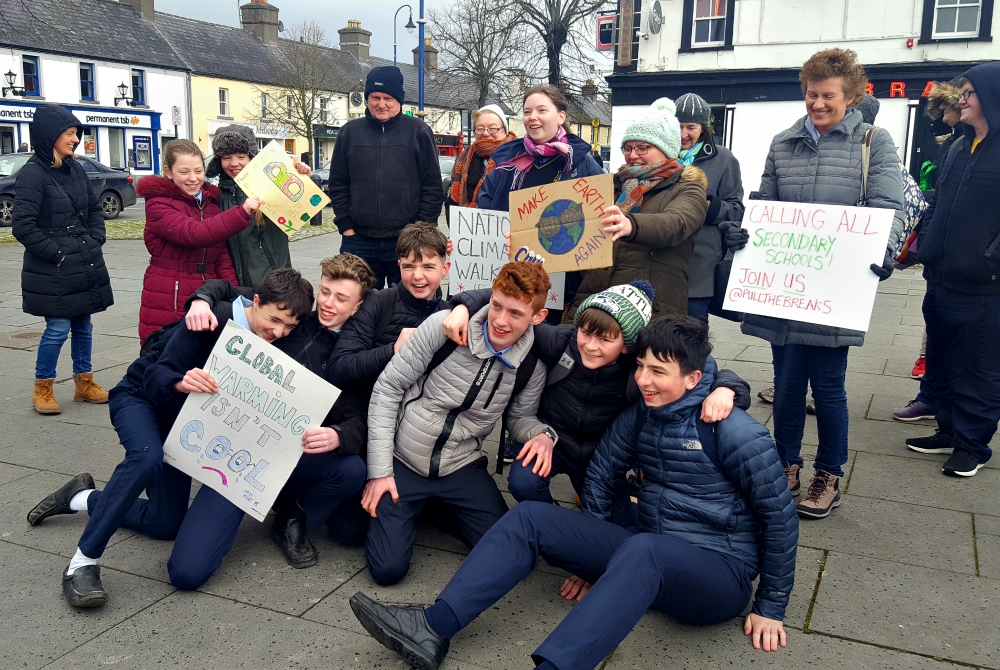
[718, 405]
[320, 439]
[456, 325]
[197, 381]
[200, 317]
[765, 633]
[404, 335]
[540, 449]
[375, 489]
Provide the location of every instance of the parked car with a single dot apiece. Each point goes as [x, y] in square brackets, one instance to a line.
[114, 187]
[446, 163]
[322, 176]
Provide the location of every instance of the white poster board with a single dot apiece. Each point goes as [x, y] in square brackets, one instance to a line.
[245, 440]
[809, 262]
[480, 250]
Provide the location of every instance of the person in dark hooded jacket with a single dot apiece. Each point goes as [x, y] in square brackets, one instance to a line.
[58, 219]
[959, 249]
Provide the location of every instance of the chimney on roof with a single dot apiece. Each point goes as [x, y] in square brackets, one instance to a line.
[589, 90]
[430, 56]
[261, 19]
[355, 40]
[143, 7]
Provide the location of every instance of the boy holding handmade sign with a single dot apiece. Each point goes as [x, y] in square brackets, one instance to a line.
[435, 404]
[143, 407]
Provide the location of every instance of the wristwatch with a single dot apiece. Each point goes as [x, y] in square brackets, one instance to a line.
[551, 435]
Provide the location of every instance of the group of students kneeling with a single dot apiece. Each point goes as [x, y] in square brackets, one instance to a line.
[424, 381]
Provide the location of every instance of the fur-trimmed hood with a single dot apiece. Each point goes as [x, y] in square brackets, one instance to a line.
[694, 175]
[161, 187]
[942, 93]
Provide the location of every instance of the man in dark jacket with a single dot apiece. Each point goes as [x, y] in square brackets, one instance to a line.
[384, 176]
[714, 512]
[959, 249]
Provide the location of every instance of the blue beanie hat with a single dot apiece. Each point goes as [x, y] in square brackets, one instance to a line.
[385, 79]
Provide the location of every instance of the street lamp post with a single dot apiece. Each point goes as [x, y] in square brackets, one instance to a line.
[409, 28]
[16, 90]
[420, 52]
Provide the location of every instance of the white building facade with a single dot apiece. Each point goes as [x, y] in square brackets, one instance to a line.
[743, 57]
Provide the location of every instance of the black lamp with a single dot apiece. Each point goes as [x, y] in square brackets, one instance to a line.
[16, 90]
[122, 90]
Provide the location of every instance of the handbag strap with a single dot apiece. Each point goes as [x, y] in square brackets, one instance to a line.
[79, 214]
[866, 158]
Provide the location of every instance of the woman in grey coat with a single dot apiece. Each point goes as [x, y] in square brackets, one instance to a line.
[818, 160]
[725, 197]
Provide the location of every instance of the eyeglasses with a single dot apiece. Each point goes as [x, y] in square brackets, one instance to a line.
[492, 130]
[966, 95]
[639, 149]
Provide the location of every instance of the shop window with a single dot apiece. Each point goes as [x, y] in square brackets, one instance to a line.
[116, 148]
[89, 142]
[224, 102]
[138, 87]
[29, 70]
[707, 24]
[87, 81]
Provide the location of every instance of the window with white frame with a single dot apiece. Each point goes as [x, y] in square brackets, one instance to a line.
[709, 22]
[956, 18]
[263, 106]
[223, 102]
[322, 109]
[289, 108]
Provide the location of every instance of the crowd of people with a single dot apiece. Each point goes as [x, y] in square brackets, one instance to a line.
[685, 499]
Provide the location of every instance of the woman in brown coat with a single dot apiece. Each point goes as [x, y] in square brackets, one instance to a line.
[660, 208]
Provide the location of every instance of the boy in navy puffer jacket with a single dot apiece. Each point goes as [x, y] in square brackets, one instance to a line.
[714, 512]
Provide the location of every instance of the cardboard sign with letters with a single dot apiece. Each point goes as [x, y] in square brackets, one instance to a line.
[561, 222]
[245, 440]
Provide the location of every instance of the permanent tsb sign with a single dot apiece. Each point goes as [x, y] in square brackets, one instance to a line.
[25, 114]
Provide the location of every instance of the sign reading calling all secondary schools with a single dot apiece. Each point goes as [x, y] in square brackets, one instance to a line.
[245, 440]
[809, 262]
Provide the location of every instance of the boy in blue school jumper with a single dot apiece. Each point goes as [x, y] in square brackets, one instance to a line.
[714, 513]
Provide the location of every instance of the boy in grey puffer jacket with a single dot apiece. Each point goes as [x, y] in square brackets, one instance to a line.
[428, 422]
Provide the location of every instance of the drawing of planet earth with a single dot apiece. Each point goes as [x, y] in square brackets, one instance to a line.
[561, 226]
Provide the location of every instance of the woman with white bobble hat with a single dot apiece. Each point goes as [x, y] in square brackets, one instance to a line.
[489, 125]
[660, 207]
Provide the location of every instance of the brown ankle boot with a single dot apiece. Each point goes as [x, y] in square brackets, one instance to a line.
[43, 400]
[87, 390]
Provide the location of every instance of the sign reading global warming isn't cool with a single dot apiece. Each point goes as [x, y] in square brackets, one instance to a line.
[245, 440]
[809, 262]
[480, 250]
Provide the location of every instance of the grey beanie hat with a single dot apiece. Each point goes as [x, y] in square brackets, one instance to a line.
[692, 108]
[869, 108]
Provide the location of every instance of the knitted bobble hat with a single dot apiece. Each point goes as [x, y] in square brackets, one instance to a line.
[657, 126]
[631, 305]
[692, 108]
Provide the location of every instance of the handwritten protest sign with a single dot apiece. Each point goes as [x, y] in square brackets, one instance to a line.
[245, 440]
[480, 251]
[562, 223]
[288, 198]
[809, 262]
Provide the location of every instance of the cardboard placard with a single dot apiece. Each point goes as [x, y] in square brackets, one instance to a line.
[561, 222]
[288, 198]
[809, 262]
[480, 250]
[245, 440]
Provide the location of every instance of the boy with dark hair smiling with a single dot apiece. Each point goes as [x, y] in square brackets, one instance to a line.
[714, 512]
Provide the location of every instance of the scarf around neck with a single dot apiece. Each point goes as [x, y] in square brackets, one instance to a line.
[557, 146]
[687, 156]
[481, 149]
[638, 180]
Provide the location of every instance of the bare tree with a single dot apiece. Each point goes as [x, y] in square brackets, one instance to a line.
[302, 94]
[558, 23]
[481, 45]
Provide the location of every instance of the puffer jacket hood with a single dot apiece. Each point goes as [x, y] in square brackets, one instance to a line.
[49, 122]
[985, 79]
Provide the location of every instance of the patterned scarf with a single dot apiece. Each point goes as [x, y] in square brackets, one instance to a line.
[687, 156]
[481, 149]
[557, 146]
[637, 180]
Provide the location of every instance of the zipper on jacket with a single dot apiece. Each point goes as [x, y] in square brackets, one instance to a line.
[378, 177]
[204, 252]
[177, 285]
[494, 391]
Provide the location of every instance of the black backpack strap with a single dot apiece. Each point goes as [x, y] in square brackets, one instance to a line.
[521, 379]
[449, 423]
[446, 350]
[561, 369]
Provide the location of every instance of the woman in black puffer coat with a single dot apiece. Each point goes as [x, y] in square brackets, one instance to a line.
[58, 219]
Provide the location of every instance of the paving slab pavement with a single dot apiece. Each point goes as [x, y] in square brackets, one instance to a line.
[904, 575]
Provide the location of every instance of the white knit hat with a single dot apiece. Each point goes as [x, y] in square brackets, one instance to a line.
[495, 109]
[658, 126]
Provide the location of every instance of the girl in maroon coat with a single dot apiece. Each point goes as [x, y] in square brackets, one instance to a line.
[186, 235]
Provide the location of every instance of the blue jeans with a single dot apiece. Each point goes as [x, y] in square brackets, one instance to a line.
[379, 253]
[630, 573]
[56, 332]
[797, 366]
[962, 345]
[698, 308]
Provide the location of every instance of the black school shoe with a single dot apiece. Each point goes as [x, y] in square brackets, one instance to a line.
[289, 532]
[83, 588]
[404, 630]
[961, 464]
[938, 443]
[58, 501]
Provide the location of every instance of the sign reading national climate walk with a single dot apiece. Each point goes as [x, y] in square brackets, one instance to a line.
[561, 222]
[480, 250]
[288, 198]
[809, 262]
[245, 440]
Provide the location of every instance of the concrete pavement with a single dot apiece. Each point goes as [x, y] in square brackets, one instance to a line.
[906, 574]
